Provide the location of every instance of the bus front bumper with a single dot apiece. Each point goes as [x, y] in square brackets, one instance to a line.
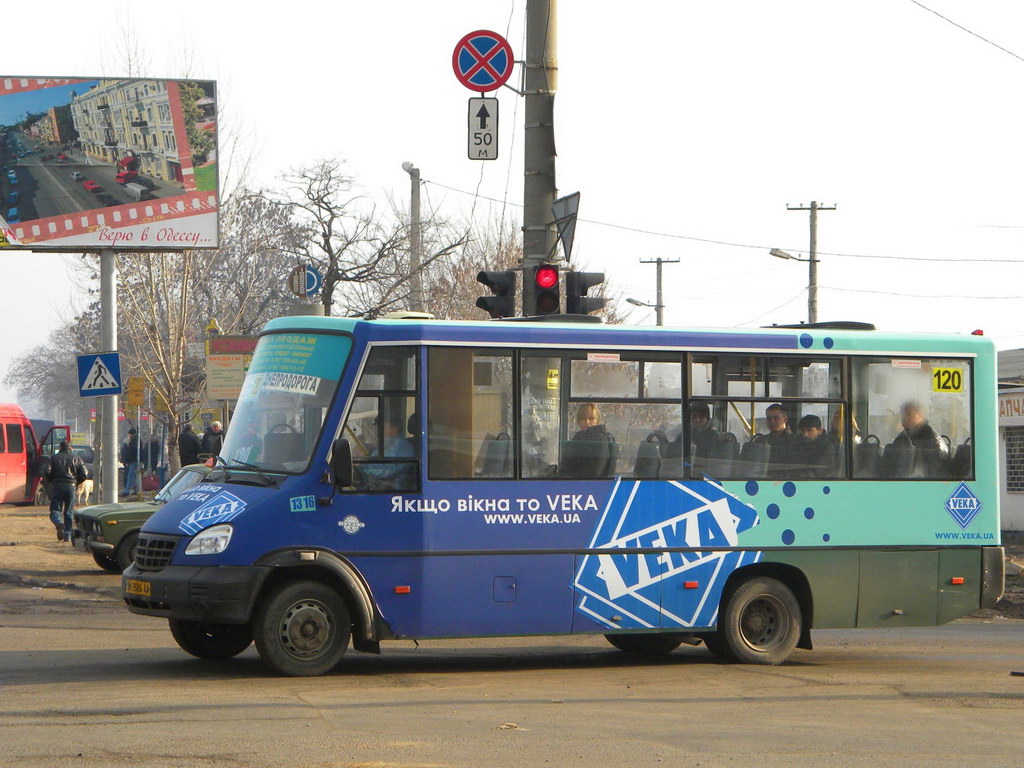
[212, 595]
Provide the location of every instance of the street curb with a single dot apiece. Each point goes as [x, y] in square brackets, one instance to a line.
[19, 579]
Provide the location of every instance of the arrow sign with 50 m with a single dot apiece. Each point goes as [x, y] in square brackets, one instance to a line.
[483, 129]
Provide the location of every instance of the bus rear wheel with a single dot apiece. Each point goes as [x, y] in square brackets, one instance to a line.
[210, 641]
[648, 645]
[302, 628]
[760, 623]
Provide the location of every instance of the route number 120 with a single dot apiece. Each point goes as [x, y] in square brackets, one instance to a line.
[947, 380]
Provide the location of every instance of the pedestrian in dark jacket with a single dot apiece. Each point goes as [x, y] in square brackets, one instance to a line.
[189, 446]
[213, 439]
[129, 456]
[65, 471]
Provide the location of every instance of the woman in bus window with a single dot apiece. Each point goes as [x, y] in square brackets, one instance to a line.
[592, 452]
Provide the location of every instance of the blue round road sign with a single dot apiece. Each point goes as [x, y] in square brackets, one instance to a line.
[482, 61]
[313, 281]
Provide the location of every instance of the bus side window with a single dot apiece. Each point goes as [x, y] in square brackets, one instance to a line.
[469, 414]
[384, 452]
[917, 409]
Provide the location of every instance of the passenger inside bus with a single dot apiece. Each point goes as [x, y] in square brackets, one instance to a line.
[396, 476]
[811, 452]
[918, 451]
[592, 452]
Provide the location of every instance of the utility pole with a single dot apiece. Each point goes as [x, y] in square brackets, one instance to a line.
[812, 280]
[659, 305]
[108, 341]
[415, 240]
[540, 81]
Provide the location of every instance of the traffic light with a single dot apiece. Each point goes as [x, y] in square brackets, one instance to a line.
[576, 286]
[502, 301]
[545, 287]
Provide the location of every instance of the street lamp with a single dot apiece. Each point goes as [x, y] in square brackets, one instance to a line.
[656, 307]
[415, 241]
[812, 281]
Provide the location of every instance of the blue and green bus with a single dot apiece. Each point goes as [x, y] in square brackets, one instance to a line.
[410, 479]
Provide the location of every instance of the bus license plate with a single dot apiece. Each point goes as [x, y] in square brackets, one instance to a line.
[137, 587]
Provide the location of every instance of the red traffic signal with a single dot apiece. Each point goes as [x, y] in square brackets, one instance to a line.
[547, 300]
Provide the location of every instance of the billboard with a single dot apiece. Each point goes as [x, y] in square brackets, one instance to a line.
[98, 163]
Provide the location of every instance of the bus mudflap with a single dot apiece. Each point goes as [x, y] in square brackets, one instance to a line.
[993, 574]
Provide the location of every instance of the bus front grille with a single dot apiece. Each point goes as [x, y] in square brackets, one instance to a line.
[153, 552]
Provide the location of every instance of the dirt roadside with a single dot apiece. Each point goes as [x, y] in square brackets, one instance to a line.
[31, 556]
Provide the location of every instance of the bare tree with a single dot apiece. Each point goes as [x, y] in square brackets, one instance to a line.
[362, 255]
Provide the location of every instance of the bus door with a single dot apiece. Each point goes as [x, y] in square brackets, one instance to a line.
[502, 584]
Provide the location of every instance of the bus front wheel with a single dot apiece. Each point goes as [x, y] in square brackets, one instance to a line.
[210, 641]
[302, 628]
[760, 624]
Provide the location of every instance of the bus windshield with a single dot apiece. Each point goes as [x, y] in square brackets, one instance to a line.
[287, 391]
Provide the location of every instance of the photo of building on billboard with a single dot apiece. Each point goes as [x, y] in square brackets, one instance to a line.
[104, 163]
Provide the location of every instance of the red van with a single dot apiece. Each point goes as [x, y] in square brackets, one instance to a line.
[125, 176]
[20, 454]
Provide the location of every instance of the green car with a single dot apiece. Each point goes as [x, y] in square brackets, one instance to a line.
[110, 531]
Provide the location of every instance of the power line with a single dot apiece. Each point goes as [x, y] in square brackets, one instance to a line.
[730, 244]
[790, 300]
[965, 29]
[924, 295]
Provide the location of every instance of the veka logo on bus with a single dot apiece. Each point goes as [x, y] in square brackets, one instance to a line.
[622, 589]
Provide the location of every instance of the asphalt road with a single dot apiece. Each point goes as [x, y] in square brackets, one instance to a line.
[84, 683]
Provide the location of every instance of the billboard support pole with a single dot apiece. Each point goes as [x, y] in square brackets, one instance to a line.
[108, 341]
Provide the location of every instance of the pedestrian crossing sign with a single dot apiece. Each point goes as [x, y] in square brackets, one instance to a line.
[99, 374]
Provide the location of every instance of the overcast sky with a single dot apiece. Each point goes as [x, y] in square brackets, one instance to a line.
[688, 128]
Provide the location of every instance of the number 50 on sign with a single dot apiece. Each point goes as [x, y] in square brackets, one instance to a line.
[483, 129]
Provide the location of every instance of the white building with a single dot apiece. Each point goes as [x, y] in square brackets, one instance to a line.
[1011, 439]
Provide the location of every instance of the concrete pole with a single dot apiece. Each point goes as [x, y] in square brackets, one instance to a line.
[539, 190]
[415, 240]
[108, 343]
[659, 304]
[812, 278]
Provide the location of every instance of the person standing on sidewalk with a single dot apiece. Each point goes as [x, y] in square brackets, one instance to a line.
[129, 456]
[65, 471]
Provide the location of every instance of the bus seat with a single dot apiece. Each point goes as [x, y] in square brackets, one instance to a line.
[648, 461]
[497, 456]
[963, 460]
[866, 456]
[725, 453]
[897, 462]
[754, 457]
[588, 459]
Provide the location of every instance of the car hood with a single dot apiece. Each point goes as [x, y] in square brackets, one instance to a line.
[109, 510]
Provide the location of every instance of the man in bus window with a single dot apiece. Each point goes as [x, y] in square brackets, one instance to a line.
[930, 453]
[703, 435]
[779, 438]
[398, 476]
[811, 452]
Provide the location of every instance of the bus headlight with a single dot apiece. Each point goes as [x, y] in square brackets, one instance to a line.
[212, 541]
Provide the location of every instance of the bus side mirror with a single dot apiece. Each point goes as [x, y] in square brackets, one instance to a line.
[341, 463]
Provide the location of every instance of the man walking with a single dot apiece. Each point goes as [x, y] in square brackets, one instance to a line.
[189, 446]
[65, 471]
